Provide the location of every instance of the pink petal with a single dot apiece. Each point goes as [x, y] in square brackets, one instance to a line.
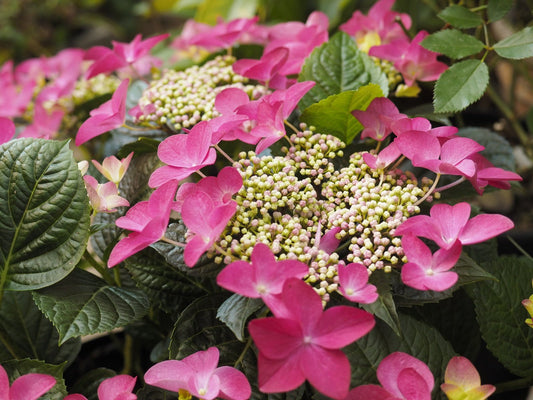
[239, 277]
[329, 241]
[461, 372]
[110, 388]
[194, 250]
[416, 251]
[302, 303]
[136, 217]
[167, 173]
[75, 396]
[7, 129]
[416, 276]
[369, 392]
[229, 99]
[451, 220]
[327, 370]
[353, 280]
[413, 386]
[4, 384]
[483, 227]
[135, 242]
[31, 386]
[169, 375]
[203, 362]
[279, 375]
[276, 338]
[341, 325]
[233, 384]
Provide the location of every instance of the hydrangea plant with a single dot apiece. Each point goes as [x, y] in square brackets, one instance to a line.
[284, 226]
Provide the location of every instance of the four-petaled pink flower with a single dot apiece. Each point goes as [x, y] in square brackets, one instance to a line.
[103, 196]
[447, 224]
[26, 387]
[198, 374]
[123, 56]
[118, 387]
[263, 277]
[113, 168]
[184, 154]
[462, 381]
[303, 342]
[353, 281]
[378, 118]
[402, 377]
[426, 271]
[110, 115]
[148, 222]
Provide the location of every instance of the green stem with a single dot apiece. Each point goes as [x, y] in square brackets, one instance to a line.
[128, 355]
[116, 274]
[514, 385]
[217, 147]
[102, 270]
[510, 116]
[8, 346]
[430, 191]
[243, 353]
[294, 129]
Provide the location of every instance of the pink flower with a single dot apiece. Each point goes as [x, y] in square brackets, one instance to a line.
[380, 19]
[16, 95]
[353, 280]
[426, 271]
[198, 374]
[148, 222]
[266, 69]
[447, 224]
[7, 130]
[487, 174]
[113, 168]
[103, 197]
[263, 277]
[26, 387]
[124, 55]
[108, 116]
[403, 377]
[45, 123]
[222, 187]
[402, 125]
[385, 157]
[206, 221]
[462, 381]
[303, 342]
[412, 60]
[118, 387]
[184, 154]
[378, 118]
[229, 126]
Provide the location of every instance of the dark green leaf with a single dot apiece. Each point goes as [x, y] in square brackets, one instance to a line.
[418, 339]
[460, 17]
[333, 9]
[461, 85]
[516, 46]
[384, 307]
[88, 384]
[497, 9]
[167, 287]
[143, 145]
[28, 334]
[332, 115]
[83, 304]
[501, 315]
[452, 43]
[235, 311]
[469, 271]
[338, 66]
[17, 368]
[153, 393]
[497, 149]
[44, 213]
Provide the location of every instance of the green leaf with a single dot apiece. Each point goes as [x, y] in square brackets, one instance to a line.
[497, 149]
[17, 368]
[167, 287]
[88, 384]
[418, 339]
[384, 307]
[469, 271]
[501, 315]
[332, 115]
[83, 304]
[234, 312]
[516, 46]
[44, 213]
[452, 43]
[497, 9]
[143, 145]
[338, 66]
[28, 334]
[210, 10]
[197, 328]
[333, 9]
[460, 17]
[461, 85]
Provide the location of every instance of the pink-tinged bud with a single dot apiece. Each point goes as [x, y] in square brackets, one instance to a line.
[113, 168]
[462, 381]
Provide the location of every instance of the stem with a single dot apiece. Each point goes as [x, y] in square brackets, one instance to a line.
[520, 248]
[200, 173]
[398, 20]
[475, 9]
[509, 115]
[223, 252]
[134, 128]
[118, 281]
[128, 355]
[241, 356]
[217, 147]
[431, 189]
[292, 127]
[8, 346]
[513, 385]
[102, 270]
[450, 185]
[170, 241]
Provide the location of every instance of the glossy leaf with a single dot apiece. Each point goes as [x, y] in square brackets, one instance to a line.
[516, 46]
[83, 304]
[236, 310]
[17, 368]
[452, 43]
[384, 307]
[501, 315]
[461, 85]
[44, 213]
[460, 17]
[28, 333]
[497, 9]
[332, 115]
[338, 66]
